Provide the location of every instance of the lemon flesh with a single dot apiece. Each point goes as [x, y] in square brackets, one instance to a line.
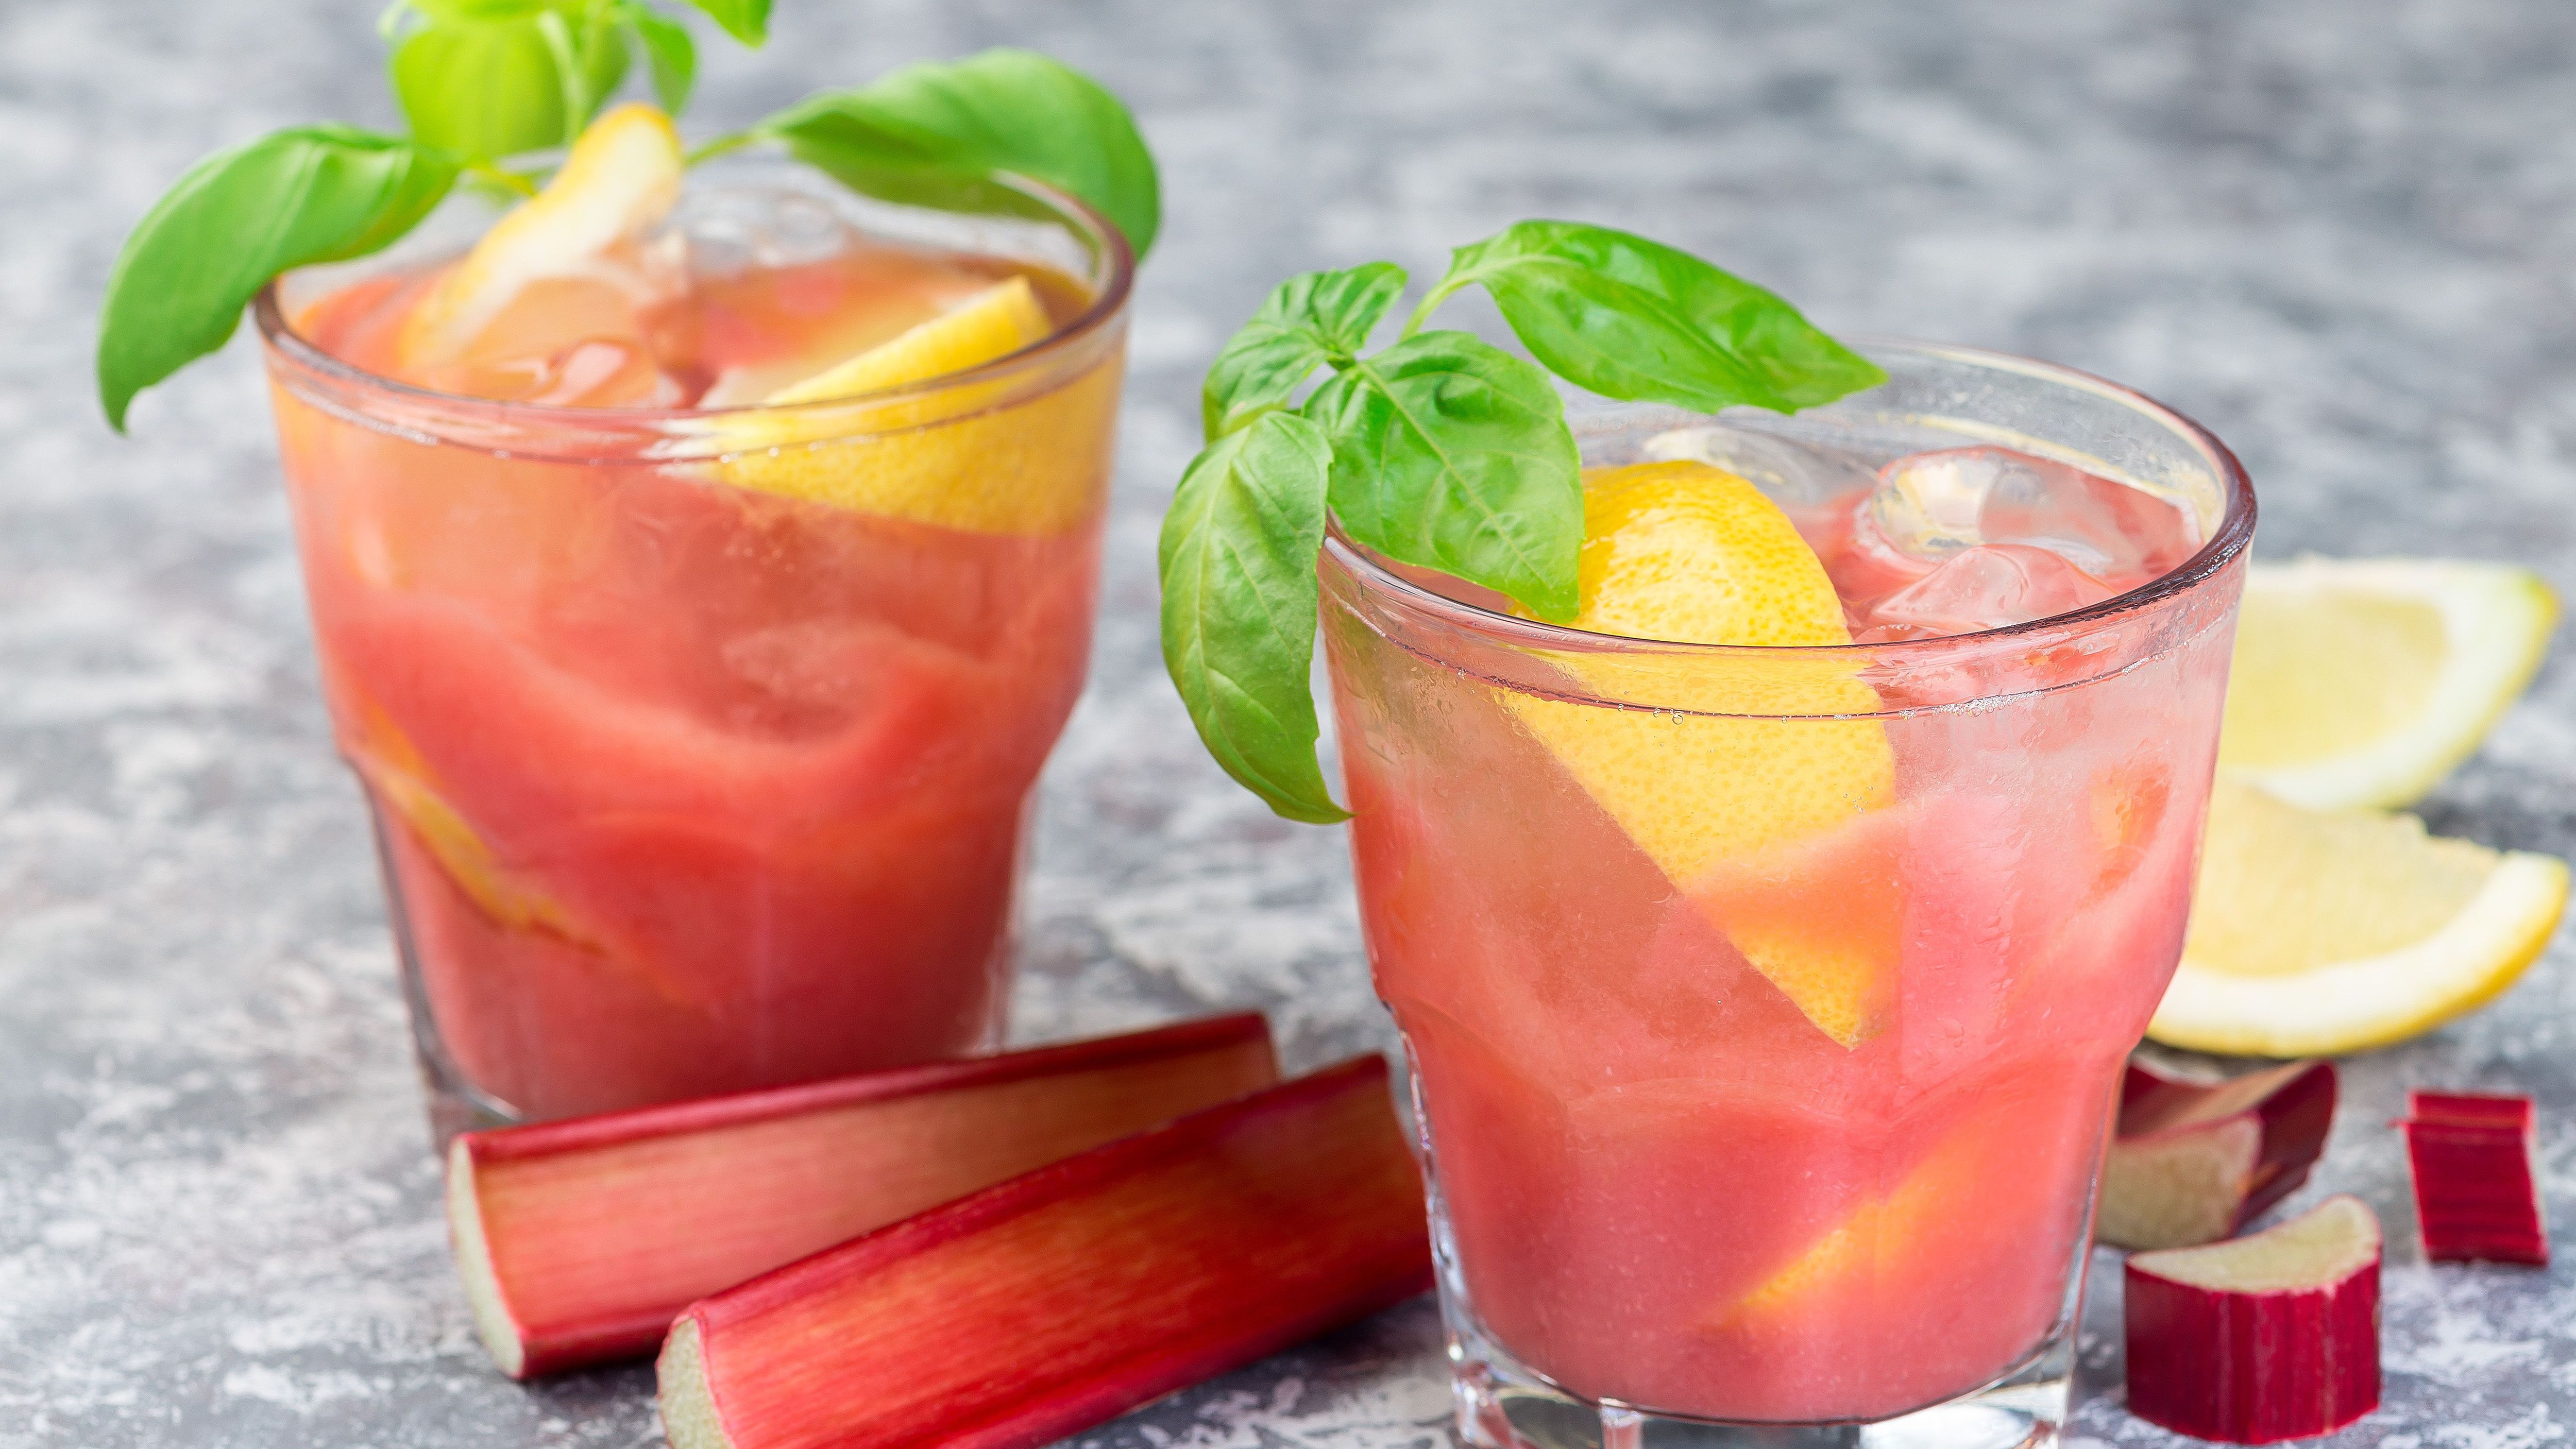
[2317, 932]
[1727, 807]
[2365, 681]
[938, 458]
[1881, 1238]
[621, 178]
[994, 323]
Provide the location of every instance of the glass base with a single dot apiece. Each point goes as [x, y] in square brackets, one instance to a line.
[1503, 1404]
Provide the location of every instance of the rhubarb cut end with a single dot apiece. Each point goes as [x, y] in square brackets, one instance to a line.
[688, 1404]
[493, 1322]
[2177, 1189]
[2195, 1161]
[2322, 1246]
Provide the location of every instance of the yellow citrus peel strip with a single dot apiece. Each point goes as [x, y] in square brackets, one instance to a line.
[1736, 811]
[621, 178]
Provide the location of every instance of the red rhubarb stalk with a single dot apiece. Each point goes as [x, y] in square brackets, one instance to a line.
[2194, 1162]
[2477, 1181]
[2263, 1338]
[1042, 1306]
[581, 1240]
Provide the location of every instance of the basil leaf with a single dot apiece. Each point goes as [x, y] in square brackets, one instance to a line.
[1630, 318]
[1307, 321]
[744, 20]
[936, 133]
[298, 196]
[670, 51]
[1451, 453]
[1239, 594]
[590, 59]
[496, 79]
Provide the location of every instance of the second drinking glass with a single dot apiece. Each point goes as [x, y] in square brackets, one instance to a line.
[1766, 1006]
[700, 740]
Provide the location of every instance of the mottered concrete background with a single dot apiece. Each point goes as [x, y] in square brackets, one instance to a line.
[2340, 232]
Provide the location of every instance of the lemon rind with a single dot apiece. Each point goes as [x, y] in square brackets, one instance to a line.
[2375, 1000]
[2496, 622]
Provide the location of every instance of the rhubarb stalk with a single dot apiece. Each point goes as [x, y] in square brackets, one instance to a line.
[2263, 1338]
[2477, 1184]
[581, 1240]
[2194, 1162]
[1044, 1305]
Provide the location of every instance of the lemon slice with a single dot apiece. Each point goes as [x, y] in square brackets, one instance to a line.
[1682, 552]
[2365, 681]
[993, 323]
[621, 177]
[2317, 932]
[959, 458]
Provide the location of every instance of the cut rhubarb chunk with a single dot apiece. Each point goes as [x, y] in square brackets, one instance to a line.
[2268, 1337]
[581, 1240]
[2477, 1179]
[2195, 1162]
[1042, 1306]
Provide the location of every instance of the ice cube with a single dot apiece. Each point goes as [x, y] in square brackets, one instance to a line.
[1930, 507]
[733, 231]
[1982, 586]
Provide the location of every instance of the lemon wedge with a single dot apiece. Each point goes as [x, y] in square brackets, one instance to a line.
[2365, 681]
[2317, 932]
[621, 177]
[993, 323]
[1883, 1235]
[960, 458]
[1727, 805]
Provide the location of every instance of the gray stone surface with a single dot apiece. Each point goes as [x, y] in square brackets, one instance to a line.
[2339, 231]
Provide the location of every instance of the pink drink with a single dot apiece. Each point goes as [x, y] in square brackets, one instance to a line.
[1658, 1186]
[686, 784]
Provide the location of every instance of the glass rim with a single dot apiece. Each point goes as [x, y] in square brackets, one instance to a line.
[1116, 253]
[2226, 542]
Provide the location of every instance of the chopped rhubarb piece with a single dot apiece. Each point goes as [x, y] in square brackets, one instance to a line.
[1044, 1305]
[581, 1240]
[2195, 1162]
[2263, 1338]
[2477, 1180]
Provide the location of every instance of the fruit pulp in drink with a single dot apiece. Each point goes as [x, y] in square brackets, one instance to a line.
[685, 784]
[1665, 1180]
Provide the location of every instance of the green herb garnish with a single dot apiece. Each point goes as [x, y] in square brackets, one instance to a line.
[1439, 449]
[482, 82]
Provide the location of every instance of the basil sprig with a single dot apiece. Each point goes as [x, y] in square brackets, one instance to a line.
[481, 81]
[938, 134]
[494, 78]
[1439, 449]
[289, 199]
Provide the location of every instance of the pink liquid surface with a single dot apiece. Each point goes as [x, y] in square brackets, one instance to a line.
[1637, 1140]
[686, 788]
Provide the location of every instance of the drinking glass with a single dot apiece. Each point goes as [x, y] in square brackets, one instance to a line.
[683, 785]
[1800, 1146]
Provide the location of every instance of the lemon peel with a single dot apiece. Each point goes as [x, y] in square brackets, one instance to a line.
[621, 178]
[2319, 932]
[2365, 681]
[1686, 553]
[965, 457]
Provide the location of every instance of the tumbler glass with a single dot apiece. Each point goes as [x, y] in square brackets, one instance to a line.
[683, 784]
[1799, 1146]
